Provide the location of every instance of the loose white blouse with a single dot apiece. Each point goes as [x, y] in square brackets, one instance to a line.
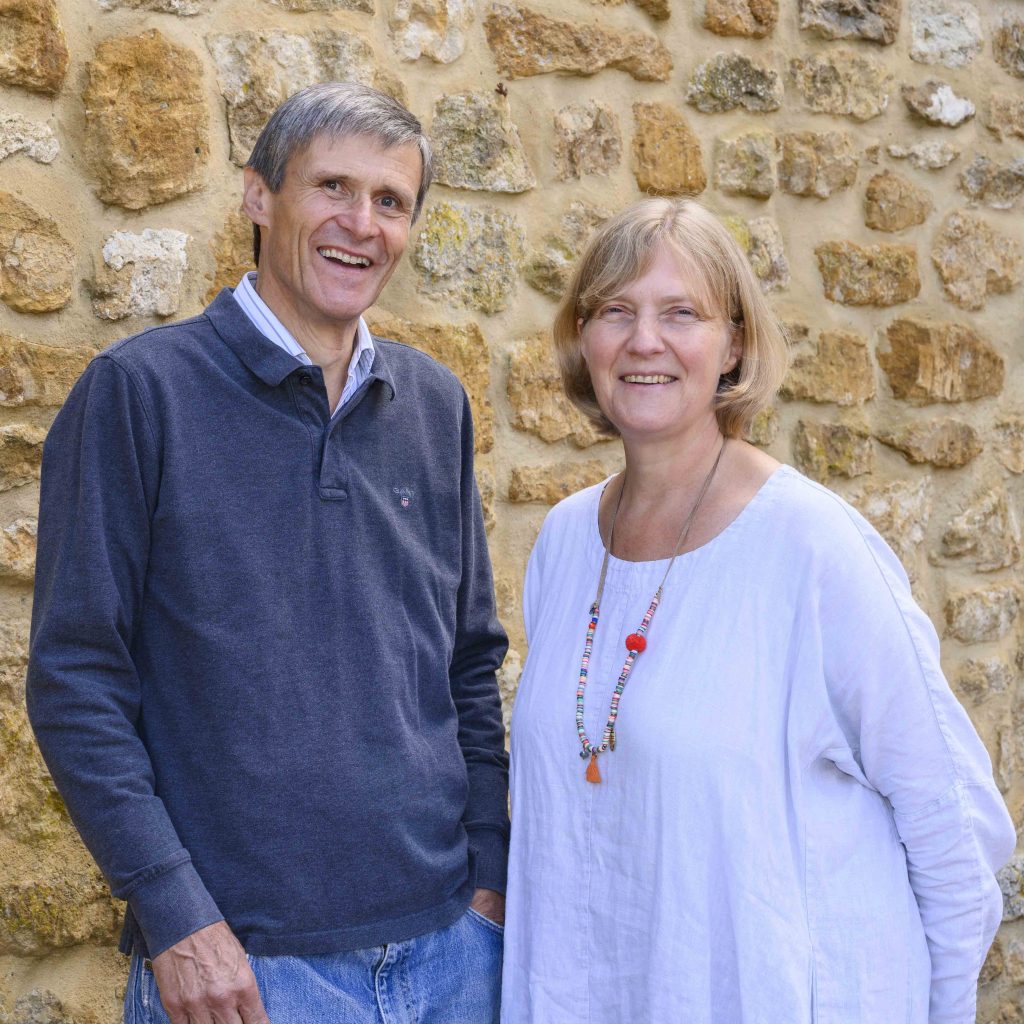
[799, 822]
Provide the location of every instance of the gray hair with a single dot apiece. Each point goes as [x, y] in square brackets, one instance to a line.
[339, 110]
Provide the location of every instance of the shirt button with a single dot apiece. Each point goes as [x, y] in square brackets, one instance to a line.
[306, 380]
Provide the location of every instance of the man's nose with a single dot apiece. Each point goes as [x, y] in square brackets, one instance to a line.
[358, 218]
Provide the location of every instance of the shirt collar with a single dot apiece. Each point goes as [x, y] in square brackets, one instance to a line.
[267, 359]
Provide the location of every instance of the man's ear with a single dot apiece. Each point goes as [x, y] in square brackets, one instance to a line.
[256, 197]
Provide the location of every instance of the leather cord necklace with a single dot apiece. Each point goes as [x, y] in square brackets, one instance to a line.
[636, 643]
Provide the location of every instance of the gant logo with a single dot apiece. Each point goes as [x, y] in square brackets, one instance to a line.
[404, 495]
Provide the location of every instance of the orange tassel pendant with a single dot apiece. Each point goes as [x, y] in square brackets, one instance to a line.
[593, 772]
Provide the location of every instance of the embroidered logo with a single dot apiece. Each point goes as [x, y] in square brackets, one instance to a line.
[404, 495]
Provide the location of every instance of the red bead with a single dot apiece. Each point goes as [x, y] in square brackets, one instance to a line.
[635, 642]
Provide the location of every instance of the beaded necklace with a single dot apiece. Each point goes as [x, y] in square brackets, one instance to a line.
[636, 643]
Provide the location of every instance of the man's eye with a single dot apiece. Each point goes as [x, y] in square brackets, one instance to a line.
[331, 186]
[390, 203]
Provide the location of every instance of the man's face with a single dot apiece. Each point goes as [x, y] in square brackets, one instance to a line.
[334, 233]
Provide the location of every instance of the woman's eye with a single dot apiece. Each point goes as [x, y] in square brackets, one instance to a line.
[611, 312]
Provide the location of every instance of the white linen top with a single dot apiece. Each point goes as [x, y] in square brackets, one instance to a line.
[265, 320]
[798, 823]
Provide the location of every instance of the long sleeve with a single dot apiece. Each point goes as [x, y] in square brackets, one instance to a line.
[479, 649]
[99, 489]
[916, 746]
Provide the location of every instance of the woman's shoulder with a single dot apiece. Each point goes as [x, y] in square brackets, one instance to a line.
[811, 519]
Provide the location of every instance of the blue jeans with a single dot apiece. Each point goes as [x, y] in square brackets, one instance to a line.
[451, 976]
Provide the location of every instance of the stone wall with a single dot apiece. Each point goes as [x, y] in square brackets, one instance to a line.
[869, 155]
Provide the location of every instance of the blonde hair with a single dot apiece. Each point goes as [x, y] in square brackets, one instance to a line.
[622, 250]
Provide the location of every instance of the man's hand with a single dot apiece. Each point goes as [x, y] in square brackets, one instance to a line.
[206, 979]
[489, 903]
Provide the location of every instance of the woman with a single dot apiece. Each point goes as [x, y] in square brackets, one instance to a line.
[787, 817]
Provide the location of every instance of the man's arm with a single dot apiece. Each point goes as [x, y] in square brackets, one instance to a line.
[100, 480]
[480, 645]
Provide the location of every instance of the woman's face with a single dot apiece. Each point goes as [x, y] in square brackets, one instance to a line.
[655, 353]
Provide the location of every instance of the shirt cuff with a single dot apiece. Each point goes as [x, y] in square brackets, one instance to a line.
[490, 846]
[172, 906]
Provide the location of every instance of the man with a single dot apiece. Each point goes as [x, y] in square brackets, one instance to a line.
[263, 643]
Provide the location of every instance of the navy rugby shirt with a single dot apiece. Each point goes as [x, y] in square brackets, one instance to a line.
[264, 643]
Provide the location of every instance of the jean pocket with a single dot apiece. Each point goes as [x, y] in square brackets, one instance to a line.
[475, 915]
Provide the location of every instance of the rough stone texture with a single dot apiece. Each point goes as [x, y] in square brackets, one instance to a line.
[550, 267]
[993, 965]
[477, 146]
[761, 240]
[817, 163]
[946, 443]
[868, 275]
[979, 679]
[18, 550]
[936, 103]
[33, 138]
[874, 20]
[1008, 42]
[840, 371]
[1011, 883]
[147, 131]
[549, 484]
[899, 511]
[1005, 115]
[932, 361]
[1008, 443]
[37, 1007]
[306, 6]
[987, 532]
[893, 203]
[587, 140]
[38, 375]
[925, 156]
[462, 348]
[764, 428]
[660, 10]
[984, 614]
[21, 452]
[525, 43]
[256, 71]
[945, 32]
[843, 82]
[141, 275]
[33, 53]
[824, 451]
[470, 255]
[731, 80]
[431, 28]
[745, 165]
[232, 252]
[538, 402]
[182, 8]
[974, 260]
[752, 18]
[57, 905]
[667, 159]
[36, 261]
[995, 185]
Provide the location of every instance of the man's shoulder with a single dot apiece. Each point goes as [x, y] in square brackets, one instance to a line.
[157, 348]
[414, 367]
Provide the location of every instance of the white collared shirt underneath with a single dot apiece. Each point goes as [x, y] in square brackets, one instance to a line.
[264, 320]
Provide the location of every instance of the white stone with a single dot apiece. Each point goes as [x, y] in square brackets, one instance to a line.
[899, 511]
[145, 274]
[925, 156]
[947, 108]
[945, 32]
[431, 28]
[1011, 882]
[35, 139]
[258, 71]
[183, 8]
